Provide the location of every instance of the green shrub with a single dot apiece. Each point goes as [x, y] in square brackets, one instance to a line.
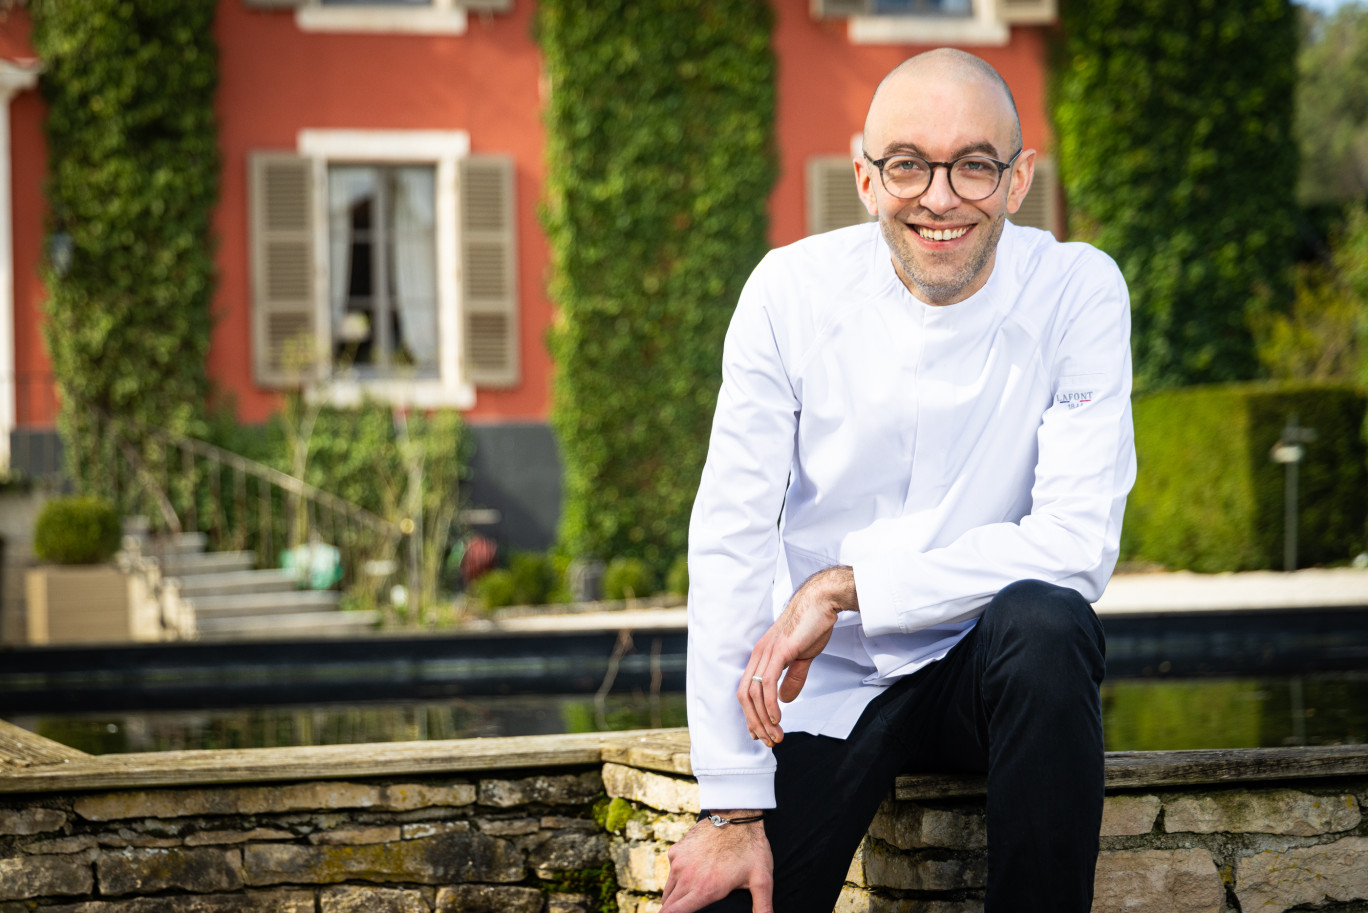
[494, 589]
[1167, 115]
[12, 480]
[76, 530]
[627, 578]
[560, 567]
[1209, 497]
[534, 577]
[373, 455]
[677, 579]
[660, 162]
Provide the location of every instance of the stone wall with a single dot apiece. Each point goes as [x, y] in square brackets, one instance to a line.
[1266, 846]
[573, 824]
[440, 845]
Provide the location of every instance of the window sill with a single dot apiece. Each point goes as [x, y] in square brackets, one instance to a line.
[927, 30]
[377, 20]
[348, 392]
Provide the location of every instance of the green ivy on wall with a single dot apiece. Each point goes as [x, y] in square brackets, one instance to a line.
[660, 157]
[1174, 127]
[134, 171]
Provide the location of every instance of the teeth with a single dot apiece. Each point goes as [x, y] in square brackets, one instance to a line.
[938, 234]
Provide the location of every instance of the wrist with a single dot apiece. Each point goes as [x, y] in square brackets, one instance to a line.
[841, 580]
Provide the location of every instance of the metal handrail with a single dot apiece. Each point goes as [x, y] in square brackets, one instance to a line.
[367, 543]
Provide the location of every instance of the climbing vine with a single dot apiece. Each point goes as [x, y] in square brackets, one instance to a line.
[660, 161]
[134, 177]
[1174, 127]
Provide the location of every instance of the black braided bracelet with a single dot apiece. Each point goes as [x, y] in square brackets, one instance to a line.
[718, 820]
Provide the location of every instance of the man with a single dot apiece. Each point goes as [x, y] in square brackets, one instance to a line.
[924, 429]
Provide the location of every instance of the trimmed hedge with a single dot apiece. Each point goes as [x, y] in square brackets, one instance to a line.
[1210, 498]
[1173, 121]
[660, 160]
[76, 530]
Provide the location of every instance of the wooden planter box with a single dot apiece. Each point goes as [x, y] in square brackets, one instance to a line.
[70, 604]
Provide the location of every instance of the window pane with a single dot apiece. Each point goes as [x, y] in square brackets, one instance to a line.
[413, 271]
[353, 203]
[375, 2]
[924, 7]
[383, 268]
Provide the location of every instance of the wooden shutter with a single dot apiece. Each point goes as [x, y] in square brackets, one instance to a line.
[838, 9]
[833, 201]
[489, 277]
[1027, 12]
[284, 334]
[487, 6]
[1040, 209]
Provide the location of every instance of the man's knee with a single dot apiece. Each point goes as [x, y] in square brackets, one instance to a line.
[1042, 625]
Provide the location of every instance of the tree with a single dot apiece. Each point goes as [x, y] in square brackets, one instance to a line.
[1321, 338]
[1332, 105]
[1173, 121]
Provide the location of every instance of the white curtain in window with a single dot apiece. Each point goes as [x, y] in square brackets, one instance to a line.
[347, 186]
[415, 262]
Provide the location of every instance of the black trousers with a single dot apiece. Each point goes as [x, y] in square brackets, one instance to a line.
[1018, 698]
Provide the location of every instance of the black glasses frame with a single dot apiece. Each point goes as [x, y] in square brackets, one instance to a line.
[949, 173]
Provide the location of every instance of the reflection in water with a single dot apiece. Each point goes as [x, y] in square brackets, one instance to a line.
[336, 724]
[1166, 715]
[1139, 714]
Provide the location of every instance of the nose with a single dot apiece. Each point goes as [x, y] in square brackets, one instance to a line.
[940, 196]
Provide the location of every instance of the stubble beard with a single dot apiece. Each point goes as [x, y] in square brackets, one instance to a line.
[932, 285]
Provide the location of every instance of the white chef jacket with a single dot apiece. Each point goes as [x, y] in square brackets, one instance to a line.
[943, 452]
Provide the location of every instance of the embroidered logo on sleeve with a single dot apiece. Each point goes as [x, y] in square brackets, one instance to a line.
[1078, 389]
[1074, 400]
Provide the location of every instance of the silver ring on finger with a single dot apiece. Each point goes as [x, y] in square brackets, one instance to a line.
[758, 678]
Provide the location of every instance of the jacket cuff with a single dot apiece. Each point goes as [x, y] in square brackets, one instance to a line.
[880, 597]
[751, 790]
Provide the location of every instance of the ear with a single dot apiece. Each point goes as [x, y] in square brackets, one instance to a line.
[1021, 173]
[864, 183]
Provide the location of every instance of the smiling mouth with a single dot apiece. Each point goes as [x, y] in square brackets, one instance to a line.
[941, 234]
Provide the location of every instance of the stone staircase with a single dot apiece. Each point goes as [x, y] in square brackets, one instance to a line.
[222, 596]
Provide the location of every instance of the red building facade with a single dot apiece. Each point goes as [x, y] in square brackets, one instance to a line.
[350, 130]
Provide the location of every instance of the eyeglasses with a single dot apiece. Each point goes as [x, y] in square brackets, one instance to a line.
[972, 177]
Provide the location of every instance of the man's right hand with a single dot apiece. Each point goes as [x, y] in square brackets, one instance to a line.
[710, 862]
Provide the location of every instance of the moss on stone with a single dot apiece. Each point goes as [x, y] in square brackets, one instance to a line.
[599, 882]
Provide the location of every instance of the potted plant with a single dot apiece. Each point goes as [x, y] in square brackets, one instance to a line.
[77, 595]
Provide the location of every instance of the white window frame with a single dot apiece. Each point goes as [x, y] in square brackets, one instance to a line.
[443, 17]
[985, 28]
[13, 80]
[442, 149]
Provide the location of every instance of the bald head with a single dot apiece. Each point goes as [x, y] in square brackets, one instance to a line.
[941, 107]
[942, 67]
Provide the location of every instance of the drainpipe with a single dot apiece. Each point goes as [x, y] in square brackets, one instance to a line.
[13, 79]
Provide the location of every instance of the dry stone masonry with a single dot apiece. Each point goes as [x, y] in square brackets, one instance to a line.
[1250, 847]
[564, 825]
[447, 845]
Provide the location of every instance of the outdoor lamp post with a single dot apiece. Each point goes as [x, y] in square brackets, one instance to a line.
[1289, 451]
[61, 248]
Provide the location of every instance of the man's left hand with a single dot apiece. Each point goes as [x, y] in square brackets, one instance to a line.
[792, 642]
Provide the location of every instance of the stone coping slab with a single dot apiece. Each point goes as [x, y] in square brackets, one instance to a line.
[1152, 769]
[32, 764]
[322, 762]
